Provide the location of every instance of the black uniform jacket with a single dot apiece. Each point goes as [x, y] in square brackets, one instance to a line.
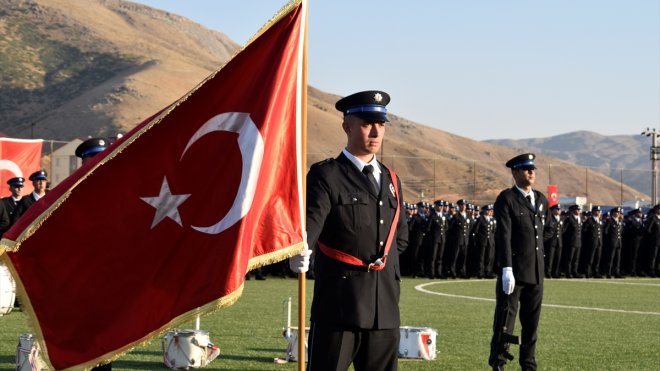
[572, 232]
[553, 232]
[344, 213]
[519, 234]
[22, 206]
[592, 233]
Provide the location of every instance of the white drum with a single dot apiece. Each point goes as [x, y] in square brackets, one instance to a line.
[7, 290]
[292, 348]
[27, 354]
[188, 348]
[417, 342]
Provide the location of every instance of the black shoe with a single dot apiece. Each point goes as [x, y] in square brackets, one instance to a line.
[260, 278]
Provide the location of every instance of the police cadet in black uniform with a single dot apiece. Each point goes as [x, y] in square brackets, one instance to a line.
[572, 242]
[520, 212]
[652, 243]
[484, 244]
[352, 202]
[612, 235]
[86, 150]
[39, 181]
[552, 242]
[458, 231]
[434, 238]
[15, 187]
[592, 243]
[632, 239]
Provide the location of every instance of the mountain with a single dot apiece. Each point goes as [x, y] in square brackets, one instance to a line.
[78, 68]
[617, 156]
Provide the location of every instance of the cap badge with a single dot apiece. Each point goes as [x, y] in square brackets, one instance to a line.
[378, 97]
[102, 142]
[530, 157]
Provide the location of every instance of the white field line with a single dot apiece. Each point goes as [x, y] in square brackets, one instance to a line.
[421, 288]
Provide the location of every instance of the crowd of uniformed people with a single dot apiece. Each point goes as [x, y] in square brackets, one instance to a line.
[457, 240]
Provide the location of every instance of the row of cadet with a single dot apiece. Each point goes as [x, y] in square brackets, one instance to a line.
[449, 240]
[15, 205]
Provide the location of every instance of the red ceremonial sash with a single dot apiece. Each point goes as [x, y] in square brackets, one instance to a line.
[379, 263]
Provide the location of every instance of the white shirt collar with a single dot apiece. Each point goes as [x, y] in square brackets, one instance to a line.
[530, 193]
[361, 164]
[35, 196]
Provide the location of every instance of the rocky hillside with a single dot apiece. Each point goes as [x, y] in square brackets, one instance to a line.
[73, 68]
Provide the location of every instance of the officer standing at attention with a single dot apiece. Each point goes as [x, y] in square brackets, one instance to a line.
[15, 187]
[552, 243]
[592, 243]
[520, 213]
[572, 242]
[354, 213]
[86, 150]
[39, 181]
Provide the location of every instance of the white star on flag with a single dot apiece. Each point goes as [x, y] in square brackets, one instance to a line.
[166, 204]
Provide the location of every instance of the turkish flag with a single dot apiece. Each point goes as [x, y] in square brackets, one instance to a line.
[164, 224]
[18, 157]
[553, 195]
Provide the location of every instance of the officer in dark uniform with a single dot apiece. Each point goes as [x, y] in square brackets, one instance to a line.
[86, 151]
[652, 243]
[572, 242]
[15, 187]
[352, 207]
[521, 213]
[612, 242]
[39, 181]
[484, 244]
[458, 231]
[592, 244]
[417, 226]
[632, 239]
[552, 242]
[434, 238]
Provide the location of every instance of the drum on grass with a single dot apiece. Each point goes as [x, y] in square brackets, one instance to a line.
[417, 342]
[27, 354]
[7, 290]
[188, 348]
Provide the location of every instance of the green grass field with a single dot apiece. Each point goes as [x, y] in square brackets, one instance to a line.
[585, 325]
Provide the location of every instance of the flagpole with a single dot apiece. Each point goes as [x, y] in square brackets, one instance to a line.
[302, 339]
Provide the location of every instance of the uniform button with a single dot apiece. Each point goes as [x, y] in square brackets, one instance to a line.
[380, 203]
[381, 221]
[537, 237]
[381, 243]
[354, 199]
[537, 248]
[536, 227]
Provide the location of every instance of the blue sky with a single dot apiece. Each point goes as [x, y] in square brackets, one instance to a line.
[483, 69]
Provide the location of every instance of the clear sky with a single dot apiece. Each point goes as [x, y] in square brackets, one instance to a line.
[483, 69]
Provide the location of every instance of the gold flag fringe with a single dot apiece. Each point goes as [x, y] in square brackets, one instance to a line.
[205, 310]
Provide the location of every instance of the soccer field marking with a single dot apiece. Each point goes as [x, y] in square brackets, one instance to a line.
[421, 288]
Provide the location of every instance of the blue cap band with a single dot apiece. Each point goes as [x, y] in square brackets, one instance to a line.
[524, 164]
[92, 151]
[366, 108]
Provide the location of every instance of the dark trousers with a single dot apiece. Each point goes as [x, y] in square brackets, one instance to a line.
[335, 348]
[530, 298]
[611, 259]
[552, 258]
[572, 260]
[592, 256]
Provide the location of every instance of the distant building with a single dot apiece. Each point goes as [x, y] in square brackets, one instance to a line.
[64, 162]
[568, 201]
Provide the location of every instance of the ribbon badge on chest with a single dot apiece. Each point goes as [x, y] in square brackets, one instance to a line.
[392, 189]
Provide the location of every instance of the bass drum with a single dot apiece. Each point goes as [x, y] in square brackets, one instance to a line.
[7, 290]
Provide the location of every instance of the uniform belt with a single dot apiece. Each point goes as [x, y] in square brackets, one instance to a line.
[379, 263]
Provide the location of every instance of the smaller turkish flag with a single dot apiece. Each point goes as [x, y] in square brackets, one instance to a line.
[553, 195]
[18, 157]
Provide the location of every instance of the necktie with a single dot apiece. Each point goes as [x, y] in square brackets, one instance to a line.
[368, 170]
[529, 198]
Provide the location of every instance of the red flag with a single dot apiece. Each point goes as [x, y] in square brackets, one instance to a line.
[18, 157]
[553, 195]
[164, 224]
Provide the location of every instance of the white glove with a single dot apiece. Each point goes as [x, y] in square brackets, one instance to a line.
[300, 263]
[508, 282]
